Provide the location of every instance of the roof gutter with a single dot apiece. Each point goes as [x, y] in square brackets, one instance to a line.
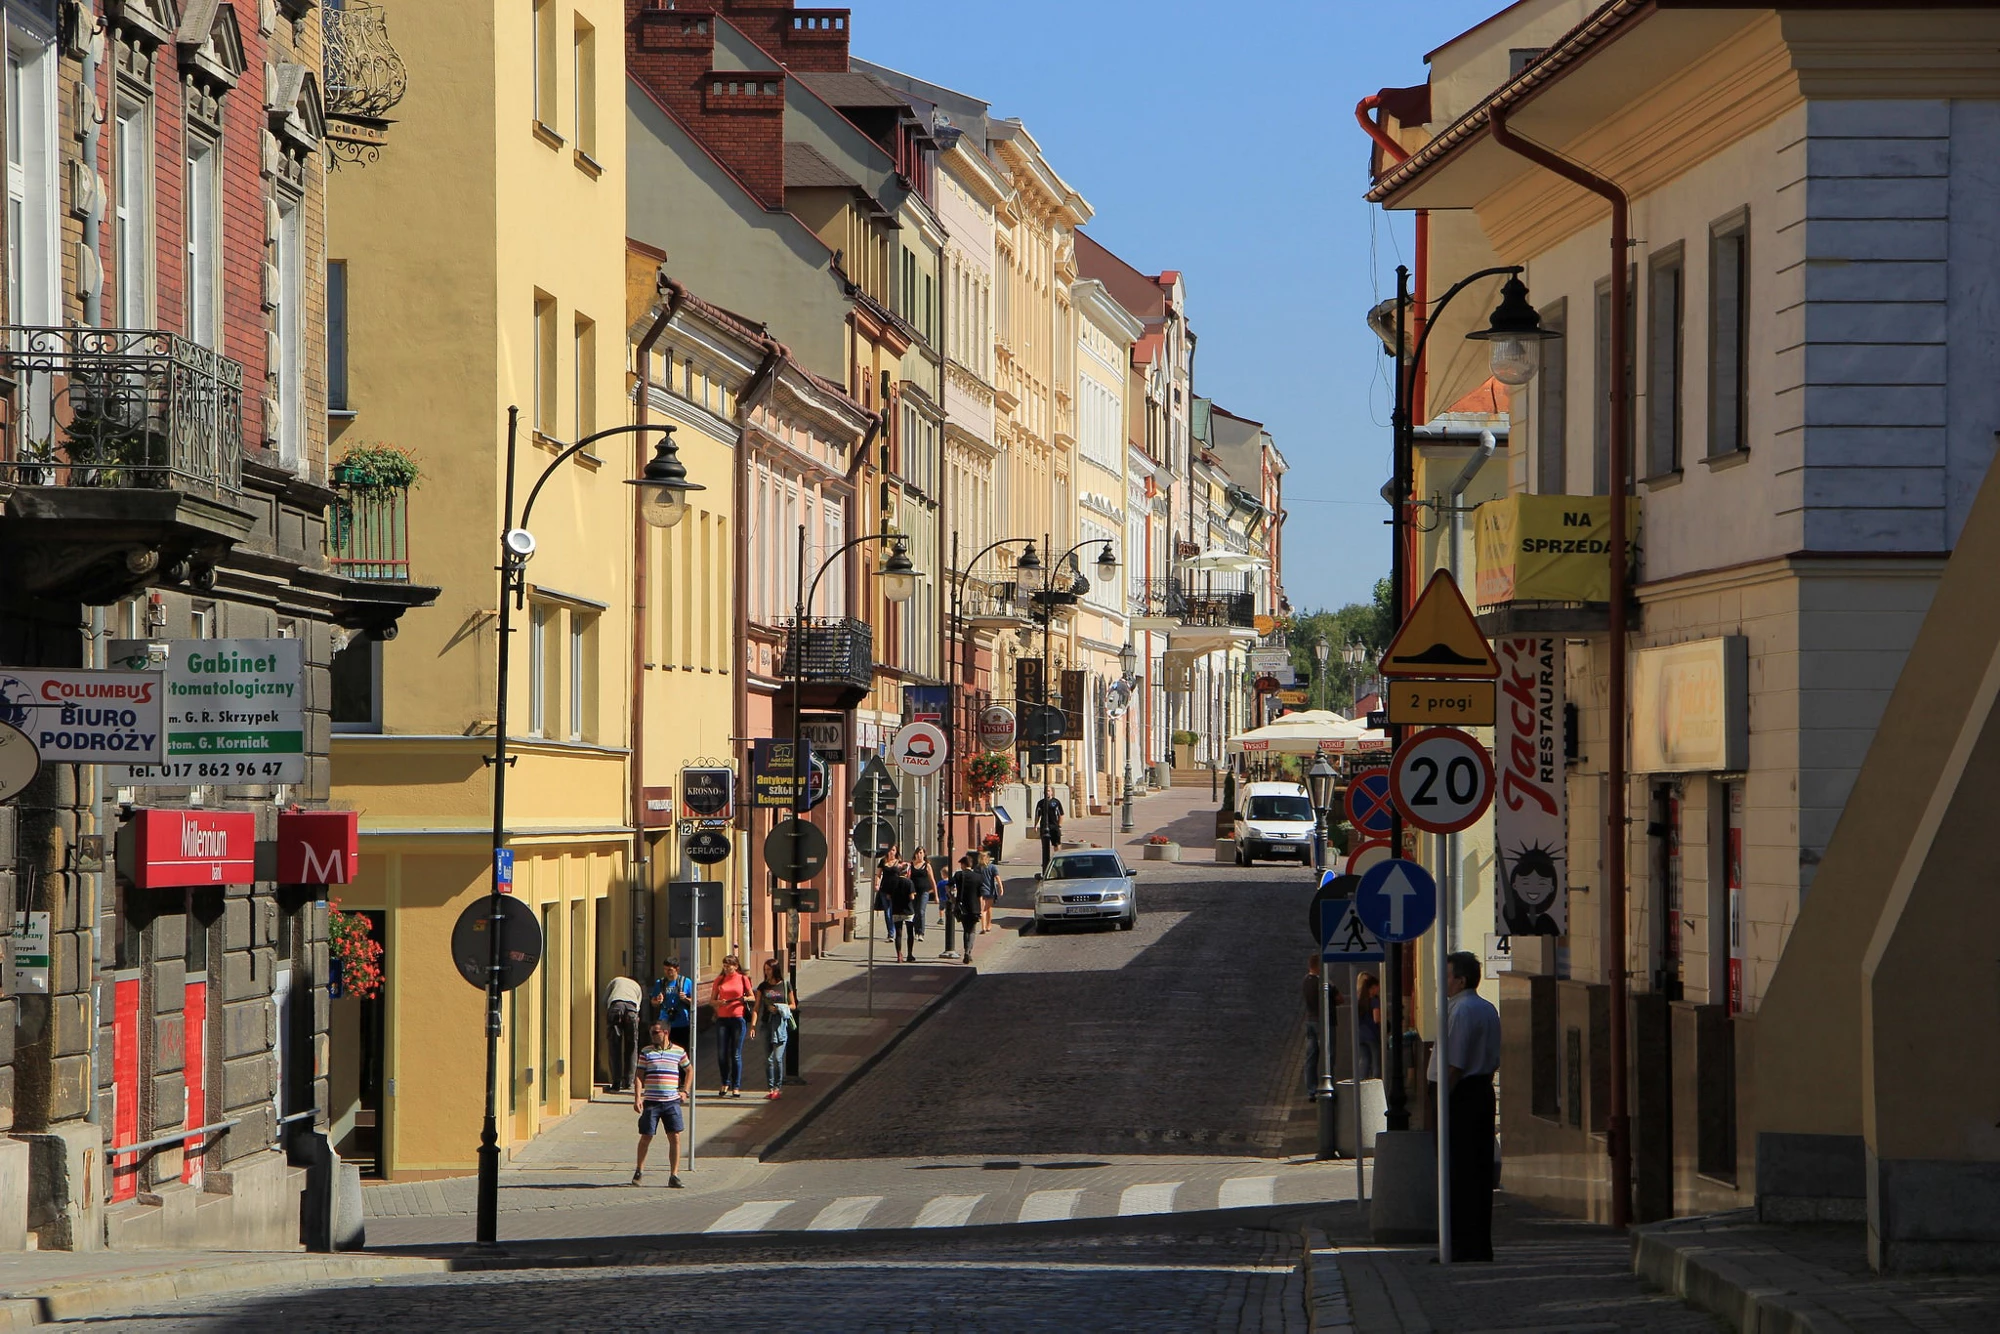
[1613, 831]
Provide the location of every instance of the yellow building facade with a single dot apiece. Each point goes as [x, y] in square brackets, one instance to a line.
[514, 297]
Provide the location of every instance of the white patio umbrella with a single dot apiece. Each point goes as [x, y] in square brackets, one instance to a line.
[1307, 733]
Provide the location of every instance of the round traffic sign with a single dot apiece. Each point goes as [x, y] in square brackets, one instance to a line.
[1397, 900]
[1331, 886]
[996, 727]
[520, 941]
[1442, 781]
[1366, 855]
[795, 850]
[919, 749]
[1042, 725]
[19, 760]
[872, 837]
[1369, 808]
[705, 847]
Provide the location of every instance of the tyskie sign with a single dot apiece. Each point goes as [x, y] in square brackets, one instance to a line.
[178, 847]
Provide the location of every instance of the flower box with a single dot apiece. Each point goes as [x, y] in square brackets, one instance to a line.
[1163, 852]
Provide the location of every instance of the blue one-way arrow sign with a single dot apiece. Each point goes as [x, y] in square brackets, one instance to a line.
[1397, 900]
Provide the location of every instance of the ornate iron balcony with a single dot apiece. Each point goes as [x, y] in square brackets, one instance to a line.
[121, 408]
[829, 650]
[1169, 598]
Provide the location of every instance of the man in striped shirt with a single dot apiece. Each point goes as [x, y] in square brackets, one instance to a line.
[656, 1097]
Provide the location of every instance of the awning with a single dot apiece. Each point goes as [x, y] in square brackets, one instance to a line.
[1308, 733]
[1233, 562]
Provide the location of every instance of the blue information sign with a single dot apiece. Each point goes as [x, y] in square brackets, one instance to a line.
[1343, 937]
[503, 869]
[1397, 900]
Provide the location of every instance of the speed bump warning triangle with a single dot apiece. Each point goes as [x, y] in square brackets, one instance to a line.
[1440, 639]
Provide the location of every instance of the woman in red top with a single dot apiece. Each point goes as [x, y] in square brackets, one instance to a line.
[731, 994]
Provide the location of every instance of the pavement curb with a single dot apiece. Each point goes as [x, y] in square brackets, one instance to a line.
[87, 1298]
[1707, 1278]
[1327, 1311]
[811, 1114]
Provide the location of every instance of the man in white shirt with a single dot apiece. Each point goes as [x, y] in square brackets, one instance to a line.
[622, 998]
[1471, 1057]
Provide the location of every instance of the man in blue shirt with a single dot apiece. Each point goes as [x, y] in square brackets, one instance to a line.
[1471, 1057]
[671, 1000]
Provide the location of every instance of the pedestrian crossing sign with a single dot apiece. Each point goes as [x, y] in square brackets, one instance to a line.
[1343, 936]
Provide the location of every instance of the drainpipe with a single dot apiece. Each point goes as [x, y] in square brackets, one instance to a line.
[746, 403]
[1619, 1127]
[641, 549]
[94, 887]
[93, 221]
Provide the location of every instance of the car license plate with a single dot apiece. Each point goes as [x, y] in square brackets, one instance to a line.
[1082, 910]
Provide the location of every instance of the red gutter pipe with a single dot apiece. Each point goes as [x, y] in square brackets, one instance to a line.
[1619, 1137]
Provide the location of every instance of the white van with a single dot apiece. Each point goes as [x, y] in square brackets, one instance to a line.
[1273, 820]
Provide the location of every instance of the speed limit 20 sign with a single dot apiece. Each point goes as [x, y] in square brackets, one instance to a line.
[1442, 780]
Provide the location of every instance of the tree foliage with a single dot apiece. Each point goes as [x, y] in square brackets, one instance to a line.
[1367, 624]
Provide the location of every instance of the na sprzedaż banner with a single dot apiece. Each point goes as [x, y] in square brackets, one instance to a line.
[1530, 815]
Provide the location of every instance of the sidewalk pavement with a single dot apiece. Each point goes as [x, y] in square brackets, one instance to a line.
[842, 1037]
[1763, 1277]
[44, 1287]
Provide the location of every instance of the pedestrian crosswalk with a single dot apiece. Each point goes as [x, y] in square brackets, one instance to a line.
[848, 1213]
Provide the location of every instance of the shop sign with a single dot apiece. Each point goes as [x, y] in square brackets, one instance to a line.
[86, 717]
[28, 955]
[1273, 662]
[656, 807]
[1072, 704]
[921, 704]
[1542, 548]
[235, 710]
[317, 847]
[177, 847]
[776, 764]
[1530, 810]
[1690, 707]
[708, 795]
[826, 733]
[996, 727]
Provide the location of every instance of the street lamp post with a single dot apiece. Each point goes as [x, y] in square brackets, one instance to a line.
[1128, 663]
[1515, 334]
[663, 492]
[1321, 651]
[1320, 781]
[1107, 570]
[899, 585]
[959, 674]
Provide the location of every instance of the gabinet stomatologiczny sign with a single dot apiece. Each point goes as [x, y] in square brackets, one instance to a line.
[234, 710]
[86, 717]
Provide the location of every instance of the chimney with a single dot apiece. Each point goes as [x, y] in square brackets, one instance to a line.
[813, 41]
[737, 115]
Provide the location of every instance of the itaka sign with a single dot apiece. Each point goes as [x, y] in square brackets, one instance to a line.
[919, 749]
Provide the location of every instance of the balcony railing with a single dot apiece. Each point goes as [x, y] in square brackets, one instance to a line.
[1170, 598]
[122, 408]
[368, 534]
[365, 77]
[831, 650]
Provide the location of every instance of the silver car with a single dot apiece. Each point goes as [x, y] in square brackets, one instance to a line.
[1087, 885]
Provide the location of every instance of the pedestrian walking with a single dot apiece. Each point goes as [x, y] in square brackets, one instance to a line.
[891, 864]
[777, 1015]
[664, 1070]
[925, 880]
[1048, 820]
[671, 1001]
[621, 1016]
[1471, 1050]
[1368, 996]
[968, 889]
[732, 995]
[991, 887]
[900, 891]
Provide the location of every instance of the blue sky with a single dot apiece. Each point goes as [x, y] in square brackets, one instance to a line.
[1206, 145]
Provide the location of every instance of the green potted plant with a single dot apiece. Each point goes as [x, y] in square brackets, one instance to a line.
[1184, 744]
[376, 467]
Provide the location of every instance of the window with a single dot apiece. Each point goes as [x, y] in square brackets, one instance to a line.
[583, 71]
[132, 222]
[1601, 384]
[586, 377]
[288, 261]
[541, 676]
[204, 240]
[545, 63]
[1729, 337]
[336, 336]
[545, 364]
[32, 264]
[1665, 281]
[1552, 407]
[357, 686]
[582, 676]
